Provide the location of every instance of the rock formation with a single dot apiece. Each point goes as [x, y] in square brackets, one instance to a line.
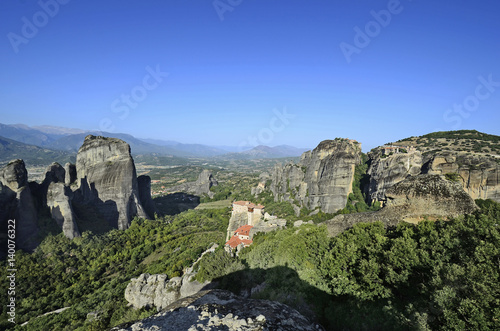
[107, 180]
[478, 174]
[153, 291]
[384, 172]
[70, 173]
[412, 200]
[199, 187]
[323, 177]
[17, 204]
[223, 310]
[59, 199]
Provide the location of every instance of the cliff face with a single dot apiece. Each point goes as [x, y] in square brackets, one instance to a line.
[412, 200]
[385, 172]
[107, 179]
[478, 174]
[323, 177]
[16, 203]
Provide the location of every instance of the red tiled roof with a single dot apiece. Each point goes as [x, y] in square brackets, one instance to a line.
[235, 241]
[241, 203]
[243, 230]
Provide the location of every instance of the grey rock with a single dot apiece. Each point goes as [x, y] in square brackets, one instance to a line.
[323, 177]
[385, 172]
[478, 174]
[16, 203]
[70, 176]
[152, 291]
[223, 310]
[59, 199]
[107, 180]
[412, 200]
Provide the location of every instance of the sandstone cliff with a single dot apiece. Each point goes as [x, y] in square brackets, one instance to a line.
[107, 180]
[412, 200]
[223, 310]
[16, 203]
[323, 177]
[478, 174]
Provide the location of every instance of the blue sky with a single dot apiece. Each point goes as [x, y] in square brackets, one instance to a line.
[235, 72]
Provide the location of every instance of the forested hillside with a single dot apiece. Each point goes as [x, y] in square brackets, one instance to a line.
[436, 275]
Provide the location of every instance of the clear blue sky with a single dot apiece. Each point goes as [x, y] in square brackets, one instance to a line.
[231, 68]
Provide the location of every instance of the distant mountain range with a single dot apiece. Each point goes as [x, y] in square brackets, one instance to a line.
[66, 142]
[266, 152]
[11, 149]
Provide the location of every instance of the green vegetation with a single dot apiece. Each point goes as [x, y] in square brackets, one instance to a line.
[432, 276]
[454, 177]
[91, 273]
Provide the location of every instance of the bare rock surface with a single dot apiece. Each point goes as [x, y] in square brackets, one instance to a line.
[59, 199]
[223, 310]
[323, 177]
[412, 200]
[17, 204]
[107, 180]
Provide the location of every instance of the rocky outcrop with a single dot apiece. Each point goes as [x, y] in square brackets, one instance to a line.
[385, 171]
[107, 180]
[412, 200]
[223, 310]
[153, 291]
[59, 199]
[323, 177]
[16, 203]
[199, 187]
[478, 174]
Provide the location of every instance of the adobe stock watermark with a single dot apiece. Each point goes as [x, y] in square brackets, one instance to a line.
[373, 28]
[223, 6]
[277, 124]
[48, 9]
[470, 104]
[127, 101]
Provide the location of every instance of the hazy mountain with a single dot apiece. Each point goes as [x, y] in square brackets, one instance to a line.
[137, 146]
[57, 130]
[266, 152]
[32, 155]
[191, 149]
[25, 134]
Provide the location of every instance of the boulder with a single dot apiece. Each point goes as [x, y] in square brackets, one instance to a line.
[223, 310]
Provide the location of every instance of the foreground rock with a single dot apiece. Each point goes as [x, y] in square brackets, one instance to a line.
[107, 180]
[323, 177]
[222, 310]
[16, 203]
[412, 200]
